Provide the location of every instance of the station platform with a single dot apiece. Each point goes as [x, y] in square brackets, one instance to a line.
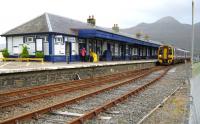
[27, 74]
[15, 67]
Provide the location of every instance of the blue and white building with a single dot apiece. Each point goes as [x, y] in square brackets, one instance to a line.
[61, 40]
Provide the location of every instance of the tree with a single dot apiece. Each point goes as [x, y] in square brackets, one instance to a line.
[39, 54]
[24, 53]
[5, 53]
[138, 34]
[146, 37]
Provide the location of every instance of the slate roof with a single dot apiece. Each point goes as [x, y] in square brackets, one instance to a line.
[53, 23]
[36, 25]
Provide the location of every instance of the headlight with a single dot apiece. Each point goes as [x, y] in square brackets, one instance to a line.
[160, 56]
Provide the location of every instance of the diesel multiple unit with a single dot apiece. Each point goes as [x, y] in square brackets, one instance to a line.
[169, 55]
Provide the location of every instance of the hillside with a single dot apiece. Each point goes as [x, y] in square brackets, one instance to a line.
[168, 30]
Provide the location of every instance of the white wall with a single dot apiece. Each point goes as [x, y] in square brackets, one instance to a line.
[46, 48]
[10, 45]
[17, 45]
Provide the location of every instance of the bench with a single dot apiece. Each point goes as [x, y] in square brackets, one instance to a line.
[22, 59]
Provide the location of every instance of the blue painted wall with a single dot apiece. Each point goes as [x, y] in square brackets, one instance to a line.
[55, 58]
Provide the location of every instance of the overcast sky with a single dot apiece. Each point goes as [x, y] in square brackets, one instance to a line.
[126, 13]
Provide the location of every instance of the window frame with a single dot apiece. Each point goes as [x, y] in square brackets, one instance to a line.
[60, 41]
[27, 39]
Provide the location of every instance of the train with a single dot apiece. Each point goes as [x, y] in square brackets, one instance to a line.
[168, 55]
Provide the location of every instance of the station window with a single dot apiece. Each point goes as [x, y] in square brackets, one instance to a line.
[29, 39]
[91, 45]
[120, 50]
[112, 48]
[141, 52]
[144, 52]
[59, 40]
[82, 44]
[148, 52]
[152, 52]
[127, 50]
[156, 52]
[99, 47]
[134, 51]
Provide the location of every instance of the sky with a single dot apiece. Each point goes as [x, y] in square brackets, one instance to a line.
[126, 13]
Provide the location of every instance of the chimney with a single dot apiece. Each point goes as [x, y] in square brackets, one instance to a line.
[115, 28]
[91, 20]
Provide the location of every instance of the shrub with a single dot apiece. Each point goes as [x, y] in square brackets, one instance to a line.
[24, 53]
[39, 54]
[138, 34]
[5, 53]
[146, 37]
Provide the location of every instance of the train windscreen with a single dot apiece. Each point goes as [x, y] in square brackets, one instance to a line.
[161, 51]
[170, 51]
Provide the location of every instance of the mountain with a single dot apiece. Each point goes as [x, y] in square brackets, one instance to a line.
[168, 30]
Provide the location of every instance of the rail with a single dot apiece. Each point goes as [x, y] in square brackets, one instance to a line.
[37, 112]
[110, 104]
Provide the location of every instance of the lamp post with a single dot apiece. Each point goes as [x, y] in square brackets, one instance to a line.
[192, 49]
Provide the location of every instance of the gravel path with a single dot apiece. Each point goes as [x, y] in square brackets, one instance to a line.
[134, 108]
[92, 102]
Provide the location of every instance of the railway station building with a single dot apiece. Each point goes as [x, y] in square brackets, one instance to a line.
[61, 39]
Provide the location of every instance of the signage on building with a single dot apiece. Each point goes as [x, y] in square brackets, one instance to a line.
[71, 39]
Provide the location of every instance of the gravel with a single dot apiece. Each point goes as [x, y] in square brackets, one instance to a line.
[9, 112]
[136, 107]
[92, 102]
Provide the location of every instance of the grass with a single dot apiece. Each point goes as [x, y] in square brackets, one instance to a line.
[174, 111]
[196, 69]
[178, 103]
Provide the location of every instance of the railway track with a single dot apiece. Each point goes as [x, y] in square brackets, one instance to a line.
[133, 91]
[29, 94]
[135, 75]
[135, 108]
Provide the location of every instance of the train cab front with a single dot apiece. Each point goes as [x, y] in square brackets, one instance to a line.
[165, 55]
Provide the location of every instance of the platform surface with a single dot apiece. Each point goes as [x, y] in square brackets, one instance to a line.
[13, 67]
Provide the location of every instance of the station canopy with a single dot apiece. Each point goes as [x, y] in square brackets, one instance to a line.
[96, 33]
